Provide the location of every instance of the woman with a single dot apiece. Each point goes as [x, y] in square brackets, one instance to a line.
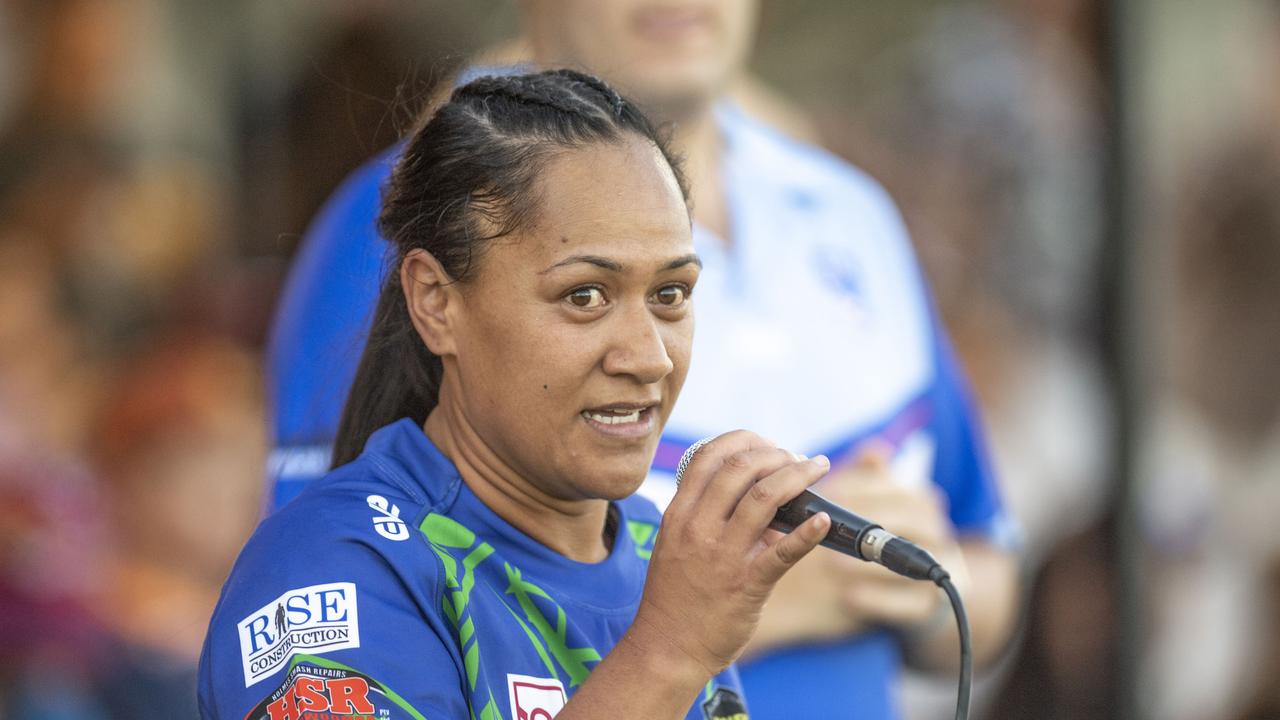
[480, 553]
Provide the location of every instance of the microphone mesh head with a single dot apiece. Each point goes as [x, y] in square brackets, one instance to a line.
[687, 457]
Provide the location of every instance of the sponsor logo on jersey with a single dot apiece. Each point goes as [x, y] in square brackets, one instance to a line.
[311, 692]
[387, 522]
[724, 704]
[315, 619]
[535, 698]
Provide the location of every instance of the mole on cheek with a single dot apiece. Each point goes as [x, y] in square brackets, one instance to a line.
[544, 387]
[564, 238]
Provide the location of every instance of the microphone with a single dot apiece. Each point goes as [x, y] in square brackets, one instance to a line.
[850, 533]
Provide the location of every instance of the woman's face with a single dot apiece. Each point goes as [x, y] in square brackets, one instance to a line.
[572, 337]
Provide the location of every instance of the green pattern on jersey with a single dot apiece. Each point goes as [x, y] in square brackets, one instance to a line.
[460, 554]
[446, 535]
[573, 660]
[642, 533]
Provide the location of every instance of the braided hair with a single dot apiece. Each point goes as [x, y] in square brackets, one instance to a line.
[465, 178]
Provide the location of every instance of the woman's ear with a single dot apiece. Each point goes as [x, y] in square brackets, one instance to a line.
[432, 299]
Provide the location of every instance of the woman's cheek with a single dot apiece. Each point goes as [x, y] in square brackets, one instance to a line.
[679, 344]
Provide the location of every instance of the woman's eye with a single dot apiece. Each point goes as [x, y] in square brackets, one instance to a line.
[587, 297]
[671, 295]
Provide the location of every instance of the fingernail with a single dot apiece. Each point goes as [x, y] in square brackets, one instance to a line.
[822, 460]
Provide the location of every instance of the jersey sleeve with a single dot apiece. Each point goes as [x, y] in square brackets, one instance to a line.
[316, 623]
[320, 328]
[962, 467]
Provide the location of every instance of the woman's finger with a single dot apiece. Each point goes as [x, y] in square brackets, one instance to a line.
[759, 503]
[697, 474]
[770, 565]
[738, 473]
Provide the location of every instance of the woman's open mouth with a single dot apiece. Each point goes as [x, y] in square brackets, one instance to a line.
[621, 421]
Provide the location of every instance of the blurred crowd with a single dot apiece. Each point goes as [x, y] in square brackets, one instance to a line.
[159, 160]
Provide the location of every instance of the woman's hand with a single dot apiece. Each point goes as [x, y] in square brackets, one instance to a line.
[715, 560]
[714, 563]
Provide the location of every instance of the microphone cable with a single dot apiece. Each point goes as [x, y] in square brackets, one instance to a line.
[942, 579]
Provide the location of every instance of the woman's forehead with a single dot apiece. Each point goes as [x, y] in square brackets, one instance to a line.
[620, 197]
[603, 183]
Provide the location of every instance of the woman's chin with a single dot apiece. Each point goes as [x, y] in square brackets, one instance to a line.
[616, 470]
[615, 484]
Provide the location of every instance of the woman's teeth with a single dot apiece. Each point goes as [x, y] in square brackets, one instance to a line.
[612, 419]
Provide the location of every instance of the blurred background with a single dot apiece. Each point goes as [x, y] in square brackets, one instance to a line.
[1093, 188]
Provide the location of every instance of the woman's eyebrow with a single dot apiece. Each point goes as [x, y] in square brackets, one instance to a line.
[596, 260]
[691, 258]
[615, 266]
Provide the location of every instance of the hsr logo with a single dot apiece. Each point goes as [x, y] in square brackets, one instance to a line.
[311, 692]
[336, 696]
[315, 619]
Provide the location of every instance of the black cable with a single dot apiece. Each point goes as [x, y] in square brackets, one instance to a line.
[943, 580]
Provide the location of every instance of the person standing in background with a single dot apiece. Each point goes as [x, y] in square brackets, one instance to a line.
[811, 297]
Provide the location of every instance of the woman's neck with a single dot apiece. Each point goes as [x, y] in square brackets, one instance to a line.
[573, 528]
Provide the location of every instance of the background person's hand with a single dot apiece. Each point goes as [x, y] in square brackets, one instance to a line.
[829, 595]
[715, 561]
[869, 593]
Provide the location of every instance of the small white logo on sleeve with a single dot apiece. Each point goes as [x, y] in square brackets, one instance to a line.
[387, 522]
[535, 698]
[316, 619]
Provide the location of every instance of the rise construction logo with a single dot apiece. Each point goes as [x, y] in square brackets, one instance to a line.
[315, 619]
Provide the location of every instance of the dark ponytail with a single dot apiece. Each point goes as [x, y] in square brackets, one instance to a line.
[465, 178]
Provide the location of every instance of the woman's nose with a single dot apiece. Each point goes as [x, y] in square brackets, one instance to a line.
[638, 348]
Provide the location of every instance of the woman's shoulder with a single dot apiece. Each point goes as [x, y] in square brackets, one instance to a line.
[354, 522]
[372, 503]
[341, 573]
[334, 587]
[355, 528]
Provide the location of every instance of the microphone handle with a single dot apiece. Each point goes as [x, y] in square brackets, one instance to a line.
[854, 535]
[847, 529]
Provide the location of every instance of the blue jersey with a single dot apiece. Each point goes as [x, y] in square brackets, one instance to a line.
[815, 329]
[388, 590]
